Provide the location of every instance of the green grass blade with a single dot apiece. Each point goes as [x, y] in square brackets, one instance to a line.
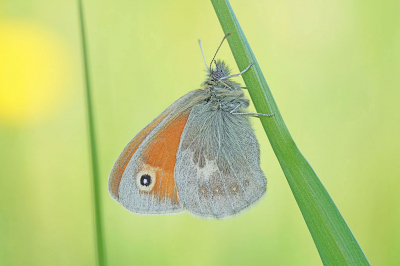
[98, 223]
[332, 237]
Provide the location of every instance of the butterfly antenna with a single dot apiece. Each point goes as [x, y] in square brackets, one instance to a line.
[219, 47]
[204, 58]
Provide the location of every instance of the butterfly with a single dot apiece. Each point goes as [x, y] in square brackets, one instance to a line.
[200, 155]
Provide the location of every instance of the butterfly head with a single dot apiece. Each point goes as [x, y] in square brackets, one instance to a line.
[220, 71]
[219, 77]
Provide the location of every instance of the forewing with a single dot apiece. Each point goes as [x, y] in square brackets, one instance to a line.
[142, 179]
[217, 170]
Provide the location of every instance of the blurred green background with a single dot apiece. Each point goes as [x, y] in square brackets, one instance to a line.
[333, 68]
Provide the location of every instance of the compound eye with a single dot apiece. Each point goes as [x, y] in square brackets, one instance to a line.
[145, 181]
[218, 74]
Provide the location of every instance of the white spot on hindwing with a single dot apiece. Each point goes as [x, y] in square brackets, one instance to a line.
[217, 181]
[208, 169]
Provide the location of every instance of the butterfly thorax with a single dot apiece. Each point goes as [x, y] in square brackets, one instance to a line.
[224, 94]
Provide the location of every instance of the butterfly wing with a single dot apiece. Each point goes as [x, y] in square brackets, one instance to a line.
[217, 168]
[142, 178]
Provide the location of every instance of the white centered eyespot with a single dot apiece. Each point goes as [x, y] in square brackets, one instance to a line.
[145, 180]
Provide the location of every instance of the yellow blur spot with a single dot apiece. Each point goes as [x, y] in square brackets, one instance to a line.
[32, 73]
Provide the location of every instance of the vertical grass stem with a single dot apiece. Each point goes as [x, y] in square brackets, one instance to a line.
[98, 223]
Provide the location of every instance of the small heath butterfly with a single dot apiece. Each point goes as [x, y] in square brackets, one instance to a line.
[200, 155]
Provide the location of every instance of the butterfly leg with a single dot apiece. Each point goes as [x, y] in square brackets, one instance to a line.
[235, 75]
[226, 85]
[234, 112]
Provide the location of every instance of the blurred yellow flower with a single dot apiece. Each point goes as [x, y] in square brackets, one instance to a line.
[32, 72]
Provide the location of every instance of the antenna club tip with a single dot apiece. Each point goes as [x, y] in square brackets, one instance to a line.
[228, 34]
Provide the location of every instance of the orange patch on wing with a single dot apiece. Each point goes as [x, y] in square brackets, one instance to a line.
[126, 155]
[161, 155]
